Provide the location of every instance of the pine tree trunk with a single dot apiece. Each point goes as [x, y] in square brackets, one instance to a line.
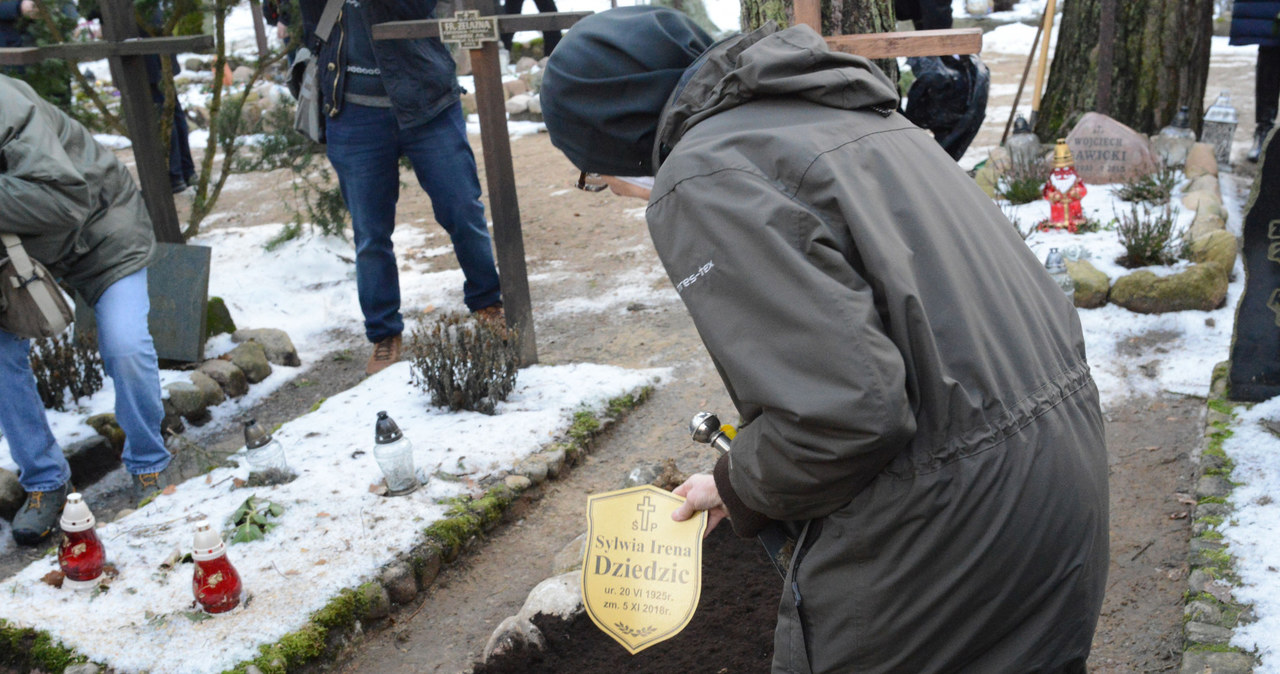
[839, 17]
[1160, 61]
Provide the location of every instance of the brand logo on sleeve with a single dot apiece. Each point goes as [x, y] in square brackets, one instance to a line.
[693, 278]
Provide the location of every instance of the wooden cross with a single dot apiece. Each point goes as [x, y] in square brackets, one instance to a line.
[892, 45]
[126, 54]
[479, 34]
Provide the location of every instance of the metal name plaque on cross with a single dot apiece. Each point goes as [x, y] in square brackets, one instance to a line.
[178, 287]
[469, 29]
[1255, 347]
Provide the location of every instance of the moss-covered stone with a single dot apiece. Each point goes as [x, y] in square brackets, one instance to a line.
[28, 649]
[1092, 286]
[218, 318]
[1202, 287]
[1210, 217]
[1200, 161]
[106, 426]
[1218, 247]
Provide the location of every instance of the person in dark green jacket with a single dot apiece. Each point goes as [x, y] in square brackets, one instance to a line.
[914, 398]
[77, 210]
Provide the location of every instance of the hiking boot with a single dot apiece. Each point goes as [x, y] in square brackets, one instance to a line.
[385, 353]
[492, 314]
[146, 486]
[39, 515]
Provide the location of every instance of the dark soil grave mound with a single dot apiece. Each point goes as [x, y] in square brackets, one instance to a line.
[731, 631]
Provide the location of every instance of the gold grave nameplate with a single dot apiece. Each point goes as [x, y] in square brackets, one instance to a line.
[642, 573]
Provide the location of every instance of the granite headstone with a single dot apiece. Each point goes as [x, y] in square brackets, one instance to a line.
[1107, 151]
[1255, 346]
[178, 286]
[178, 290]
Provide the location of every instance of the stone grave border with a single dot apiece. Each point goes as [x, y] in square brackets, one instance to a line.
[339, 625]
[1210, 612]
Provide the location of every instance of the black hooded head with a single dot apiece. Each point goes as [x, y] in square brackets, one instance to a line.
[606, 83]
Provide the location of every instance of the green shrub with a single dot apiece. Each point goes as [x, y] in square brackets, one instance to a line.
[465, 364]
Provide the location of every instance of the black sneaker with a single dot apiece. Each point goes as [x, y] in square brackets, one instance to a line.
[38, 517]
[146, 486]
[1259, 137]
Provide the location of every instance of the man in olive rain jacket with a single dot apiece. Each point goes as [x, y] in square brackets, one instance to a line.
[912, 386]
[77, 210]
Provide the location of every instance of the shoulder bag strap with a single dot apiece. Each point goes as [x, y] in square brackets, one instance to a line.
[327, 18]
[27, 275]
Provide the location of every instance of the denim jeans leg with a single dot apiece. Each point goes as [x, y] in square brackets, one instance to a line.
[129, 358]
[362, 147]
[41, 465]
[446, 169]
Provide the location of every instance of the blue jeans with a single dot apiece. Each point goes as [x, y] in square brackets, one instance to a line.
[365, 145]
[129, 358]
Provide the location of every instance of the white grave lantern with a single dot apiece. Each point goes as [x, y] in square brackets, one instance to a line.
[1219, 128]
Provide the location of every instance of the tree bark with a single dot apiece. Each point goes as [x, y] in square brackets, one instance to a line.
[839, 17]
[1159, 62]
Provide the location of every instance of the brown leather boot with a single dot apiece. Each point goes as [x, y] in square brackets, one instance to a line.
[493, 315]
[385, 353]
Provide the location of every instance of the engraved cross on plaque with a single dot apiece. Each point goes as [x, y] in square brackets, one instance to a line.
[645, 508]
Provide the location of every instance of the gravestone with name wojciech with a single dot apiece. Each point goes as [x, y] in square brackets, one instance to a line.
[1255, 346]
[1107, 151]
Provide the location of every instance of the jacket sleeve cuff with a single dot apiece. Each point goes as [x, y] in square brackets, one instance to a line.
[746, 522]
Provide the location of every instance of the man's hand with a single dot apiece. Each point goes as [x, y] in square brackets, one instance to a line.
[29, 9]
[282, 31]
[700, 493]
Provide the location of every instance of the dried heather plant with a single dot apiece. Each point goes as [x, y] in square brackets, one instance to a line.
[464, 363]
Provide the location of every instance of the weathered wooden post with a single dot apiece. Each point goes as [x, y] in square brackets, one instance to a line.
[479, 35]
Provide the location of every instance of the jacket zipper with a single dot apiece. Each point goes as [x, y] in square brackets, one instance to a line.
[337, 72]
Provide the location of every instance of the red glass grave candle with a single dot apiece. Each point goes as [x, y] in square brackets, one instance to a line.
[215, 583]
[80, 555]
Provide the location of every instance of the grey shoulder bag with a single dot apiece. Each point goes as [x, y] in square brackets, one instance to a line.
[304, 82]
[31, 303]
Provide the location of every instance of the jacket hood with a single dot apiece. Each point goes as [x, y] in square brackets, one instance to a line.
[766, 63]
[607, 80]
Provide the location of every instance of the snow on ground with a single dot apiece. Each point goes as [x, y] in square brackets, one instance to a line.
[1251, 529]
[334, 532]
[306, 287]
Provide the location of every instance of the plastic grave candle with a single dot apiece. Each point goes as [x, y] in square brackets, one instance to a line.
[215, 583]
[1023, 145]
[262, 451]
[1057, 268]
[80, 555]
[1180, 127]
[394, 454]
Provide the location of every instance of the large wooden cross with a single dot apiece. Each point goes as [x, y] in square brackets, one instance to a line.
[479, 34]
